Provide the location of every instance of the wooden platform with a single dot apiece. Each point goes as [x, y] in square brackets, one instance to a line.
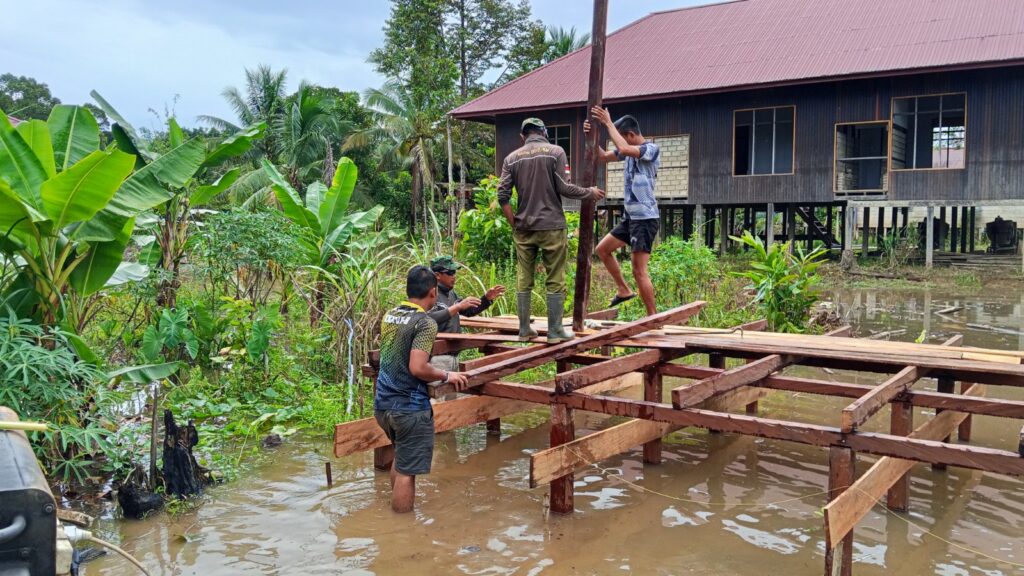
[725, 400]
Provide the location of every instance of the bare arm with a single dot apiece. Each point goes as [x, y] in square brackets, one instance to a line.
[603, 156]
[624, 148]
[419, 365]
[507, 210]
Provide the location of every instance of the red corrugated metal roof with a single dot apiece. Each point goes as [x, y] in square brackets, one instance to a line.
[757, 42]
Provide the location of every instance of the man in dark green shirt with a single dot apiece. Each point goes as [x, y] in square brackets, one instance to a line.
[401, 402]
[450, 306]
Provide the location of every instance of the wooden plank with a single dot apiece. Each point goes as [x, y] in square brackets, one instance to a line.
[582, 377]
[868, 405]
[841, 465]
[844, 512]
[693, 394]
[607, 314]
[566, 349]
[546, 465]
[841, 332]
[966, 456]
[498, 357]
[365, 434]
[963, 433]
[980, 406]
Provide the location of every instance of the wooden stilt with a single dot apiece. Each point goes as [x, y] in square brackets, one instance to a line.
[562, 431]
[724, 225]
[953, 232]
[880, 228]
[964, 431]
[790, 225]
[652, 393]
[946, 385]
[901, 422]
[865, 236]
[840, 477]
[494, 427]
[906, 222]
[383, 457]
[965, 228]
[769, 225]
[893, 223]
[698, 224]
[829, 226]
[929, 237]
[974, 227]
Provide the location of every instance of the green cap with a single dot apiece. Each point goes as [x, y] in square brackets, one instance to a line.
[443, 263]
[533, 122]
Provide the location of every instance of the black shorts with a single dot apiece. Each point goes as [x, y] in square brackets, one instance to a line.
[412, 434]
[639, 234]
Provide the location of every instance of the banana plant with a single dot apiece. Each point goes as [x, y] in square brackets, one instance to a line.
[326, 217]
[182, 173]
[67, 210]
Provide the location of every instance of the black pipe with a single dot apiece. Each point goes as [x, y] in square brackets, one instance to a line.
[14, 530]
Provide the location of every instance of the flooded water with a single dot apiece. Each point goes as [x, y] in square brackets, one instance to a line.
[719, 504]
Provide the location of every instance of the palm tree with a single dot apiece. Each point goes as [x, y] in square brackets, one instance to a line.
[561, 42]
[263, 101]
[306, 132]
[403, 136]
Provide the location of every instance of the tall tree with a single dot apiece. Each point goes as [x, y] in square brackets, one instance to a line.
[263, 101]
[26, 97]
[404, 134]
[560, 42]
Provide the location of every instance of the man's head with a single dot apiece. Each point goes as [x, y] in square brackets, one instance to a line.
[421, 287]
[533, 126]
[444, 268]
[630, 130]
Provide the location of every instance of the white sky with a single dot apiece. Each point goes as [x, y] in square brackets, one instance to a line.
[140, 54]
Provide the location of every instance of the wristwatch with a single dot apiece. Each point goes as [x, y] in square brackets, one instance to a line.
[445, 379]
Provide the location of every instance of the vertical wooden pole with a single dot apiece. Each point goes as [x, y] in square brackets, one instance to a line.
[964, 228]
[652, 393]
[724, 224]
[790, 225]
[865, 233]
[688, 212]
[964, 431]
[840, 477]
[953, 232]
[590, 167]
[844, 245]
[829, 223]
[974, 225]
[563, 430]
[383, 457]
[894, 225]
[904, 230]
[901, 423]
[946, 385]
[880, 228]
[769, 225]
[808, 226]
[929, 236]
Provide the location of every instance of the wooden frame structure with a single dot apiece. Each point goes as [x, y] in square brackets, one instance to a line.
[724, 399]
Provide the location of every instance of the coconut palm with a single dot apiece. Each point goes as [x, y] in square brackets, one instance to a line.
[263, 101]
[561, 42]
[403, 136]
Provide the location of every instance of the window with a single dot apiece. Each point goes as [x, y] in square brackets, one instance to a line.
[763, 141]
[862, 159]
[929, 132]
[560, 136]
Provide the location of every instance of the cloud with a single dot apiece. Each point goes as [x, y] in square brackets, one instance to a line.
[140, 57]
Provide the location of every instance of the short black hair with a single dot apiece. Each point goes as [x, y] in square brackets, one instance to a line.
[531, 129]
[627, 124]
[419, 282]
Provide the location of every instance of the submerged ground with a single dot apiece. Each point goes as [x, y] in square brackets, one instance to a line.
[720, 504]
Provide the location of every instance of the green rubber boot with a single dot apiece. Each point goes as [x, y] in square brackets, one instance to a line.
[556, 331]
[523, 311]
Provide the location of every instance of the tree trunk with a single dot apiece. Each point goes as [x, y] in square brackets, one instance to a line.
[182, 474]
[450, 202]
[416, 185]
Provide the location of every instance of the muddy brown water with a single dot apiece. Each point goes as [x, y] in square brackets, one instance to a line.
[719, 504]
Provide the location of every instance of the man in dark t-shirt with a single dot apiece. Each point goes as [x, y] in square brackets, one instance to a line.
[401, 402]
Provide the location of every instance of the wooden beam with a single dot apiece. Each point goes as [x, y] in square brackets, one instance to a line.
[562, 431]
[901, 423]
[980, 406]
[606, 314]
[365, 434]
[868, 405]
[966, 456]
[583, 377]
[652, 393]
[566, 349]
[546, 465]
[498, 357]
[841, 470]
[693, 394]
[844, 512]
[591, 164]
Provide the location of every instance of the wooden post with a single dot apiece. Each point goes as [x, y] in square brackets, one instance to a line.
[588, 207]
[953, 232]
[687, 222]
[562, 430]
[698, 223]
[724, 224]
[964, 431]
[906, 222]
[901, 423]
[946, 385]
[964, 227]
[790, 225]
[383, 457]
[894, 225]
[769, 225]
[974, 226]
[828, 225]
[652, 393]
[865, 232]
[880, 228]
[929, 237]
[840, 477]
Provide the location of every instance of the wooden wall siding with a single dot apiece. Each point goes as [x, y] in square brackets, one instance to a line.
[995, 137]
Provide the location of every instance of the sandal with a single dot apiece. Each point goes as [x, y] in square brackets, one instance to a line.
[620, 299]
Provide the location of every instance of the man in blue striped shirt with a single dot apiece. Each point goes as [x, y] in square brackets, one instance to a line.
[639, 225]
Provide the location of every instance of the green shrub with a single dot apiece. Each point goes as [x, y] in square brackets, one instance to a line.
[783, 282]
[486, 235]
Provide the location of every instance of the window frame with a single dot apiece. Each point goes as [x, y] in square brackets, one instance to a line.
[892, 123]
[835, 158]
[553, 140]
[753, 111]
